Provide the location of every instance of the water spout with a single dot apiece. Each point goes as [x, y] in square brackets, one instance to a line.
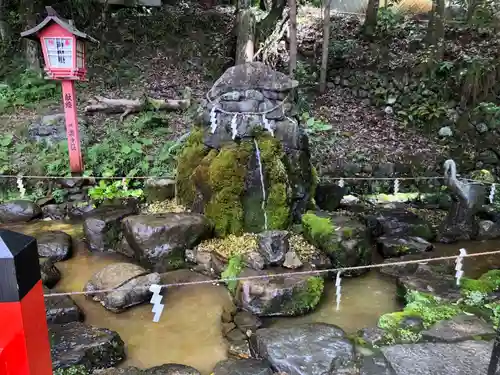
[259, 162]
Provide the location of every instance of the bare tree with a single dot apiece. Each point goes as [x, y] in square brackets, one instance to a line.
[292, 4]
[326, 43]
[370, 24]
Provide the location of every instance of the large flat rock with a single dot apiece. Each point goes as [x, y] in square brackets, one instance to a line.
[464, 358]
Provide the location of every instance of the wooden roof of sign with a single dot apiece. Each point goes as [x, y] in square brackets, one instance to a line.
[52, 16]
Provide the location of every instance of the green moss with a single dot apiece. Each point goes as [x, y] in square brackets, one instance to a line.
[318, 230]
[191, 156]
[347, 233]
[276, 177]
[492, 277]
[226, 176]
[482, 175]
[314, 186]
[307, 297]
[472, 285]
[423, 230]
[233, 270]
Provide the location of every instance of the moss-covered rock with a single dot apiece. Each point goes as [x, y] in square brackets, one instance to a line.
[344, 239]
[226, 186]
[482, 175]
[279, 296]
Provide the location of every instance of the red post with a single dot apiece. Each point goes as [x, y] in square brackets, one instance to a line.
[24, 338]
[69, 100]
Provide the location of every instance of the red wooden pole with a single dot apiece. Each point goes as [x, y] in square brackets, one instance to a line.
[69, 100]
[24, 338]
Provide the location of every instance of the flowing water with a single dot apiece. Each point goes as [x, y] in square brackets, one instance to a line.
[261, 172]
[189, 328]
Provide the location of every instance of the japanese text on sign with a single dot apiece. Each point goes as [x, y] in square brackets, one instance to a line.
[68, 101]
[72, 140]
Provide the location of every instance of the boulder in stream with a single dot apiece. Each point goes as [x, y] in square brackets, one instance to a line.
[80, 344]
[159, 241]
[168, 369]
[315, 348]
[466, 357]
[390, 247]
[131, 282]
[102, 226]
[61, 309]
[459, 328]
[55, 245]
[344, 239]
[242, 367]
[19, 211]
[273, 245]
[279, 296]
[49, 272]
[398, 223]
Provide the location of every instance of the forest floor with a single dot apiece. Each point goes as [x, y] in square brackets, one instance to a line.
[161, 54]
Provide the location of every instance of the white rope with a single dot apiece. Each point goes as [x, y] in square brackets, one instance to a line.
[284, 274]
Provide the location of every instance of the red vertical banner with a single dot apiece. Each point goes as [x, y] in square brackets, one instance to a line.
[69, 102]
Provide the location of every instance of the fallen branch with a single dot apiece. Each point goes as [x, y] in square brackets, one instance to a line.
[128, 106]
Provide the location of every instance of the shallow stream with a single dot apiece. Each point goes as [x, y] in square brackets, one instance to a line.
[189, 331]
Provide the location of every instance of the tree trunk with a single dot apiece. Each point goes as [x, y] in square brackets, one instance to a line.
[370, 24]
[435, 32]
[28, 20]
[326, 43]
[293, 36]
[4, 27]
[245, 39]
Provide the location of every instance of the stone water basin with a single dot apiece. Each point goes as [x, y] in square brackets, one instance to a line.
[189, 331]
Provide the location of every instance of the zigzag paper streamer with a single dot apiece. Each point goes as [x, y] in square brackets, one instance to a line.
[124, 184]
[492, 193]
[234, 126]
[267, 125]
[20, 186]
[341, 182]
[156, 301]
[213, 120]
[459, 264]
[338, 290]
[396, 186]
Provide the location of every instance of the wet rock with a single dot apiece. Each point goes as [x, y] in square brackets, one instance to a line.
[54, 211]
[227, 327]
[242, 367]
[274, 244]
[236, 335]
[306, 349]
[254, 260]
[61, 309]
[102, 227]
[279, 296]
[168, 369]
[439, 358]
[390, 247]
[375, 365]
[56, 245]
[328, 196]
[239, 349]
[124, 248]
[488, 230]
[49, 272]
[446, 267]
[160, 241]
[412, 323]
[425, 280]
[78, 210]
[246, 321]
[80, 344]
[459, 328]
[292, 260]
[19, 211]
[344, 239]
[398, 223]
[131, 282]
[51, 130]
[372, 336]
[159, 190]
